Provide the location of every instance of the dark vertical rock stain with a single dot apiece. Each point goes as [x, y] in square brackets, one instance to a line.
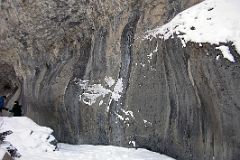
[127, 40]
[99, 54]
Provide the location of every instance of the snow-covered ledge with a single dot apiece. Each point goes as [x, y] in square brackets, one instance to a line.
[212, 21]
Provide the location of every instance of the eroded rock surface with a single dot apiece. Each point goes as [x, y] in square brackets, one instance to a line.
[82, 68]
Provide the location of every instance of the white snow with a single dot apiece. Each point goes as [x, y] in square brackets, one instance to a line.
[27, 134]
[2, 153]
[89, 152]
[226, 53]
[32, 143]
[211, 21]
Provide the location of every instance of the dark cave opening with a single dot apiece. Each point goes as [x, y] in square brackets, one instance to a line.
[8, 79]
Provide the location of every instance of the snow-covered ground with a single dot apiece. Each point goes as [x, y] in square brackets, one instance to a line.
[212, 21]
[32, 142]
[2, 152]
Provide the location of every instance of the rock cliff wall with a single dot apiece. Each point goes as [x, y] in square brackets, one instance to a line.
[82, 68]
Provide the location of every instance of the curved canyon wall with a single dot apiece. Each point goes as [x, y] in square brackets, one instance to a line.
[83, 68]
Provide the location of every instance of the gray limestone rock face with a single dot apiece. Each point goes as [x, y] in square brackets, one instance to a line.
[187, 97]
[82, 68]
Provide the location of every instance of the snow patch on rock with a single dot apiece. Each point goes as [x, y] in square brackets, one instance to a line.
[212, 21]
[128, 113]
[226, 53]
[92, 92]
[133, 143]
[118, 89]
[110, 81]
[147, 123]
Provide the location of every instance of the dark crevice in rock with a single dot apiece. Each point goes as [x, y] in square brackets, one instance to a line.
[9, 82]
[80, 67]
[127, 40]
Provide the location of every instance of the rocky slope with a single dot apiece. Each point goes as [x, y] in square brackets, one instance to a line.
[82, 68]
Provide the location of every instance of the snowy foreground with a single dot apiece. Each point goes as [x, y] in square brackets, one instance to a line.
[32, 142]
[212, 21]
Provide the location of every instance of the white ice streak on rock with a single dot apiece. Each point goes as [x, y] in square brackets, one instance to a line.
[226, 53]
[110, 81]
[146, 122]
[101, 102]
[119, 116]
[108, 106]
[142, 64]
[156, 49]
[118, 89]
[94, 91]
[150, 55]
[82, 83]
[126, 116]
[212, 21]
[128, 113]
